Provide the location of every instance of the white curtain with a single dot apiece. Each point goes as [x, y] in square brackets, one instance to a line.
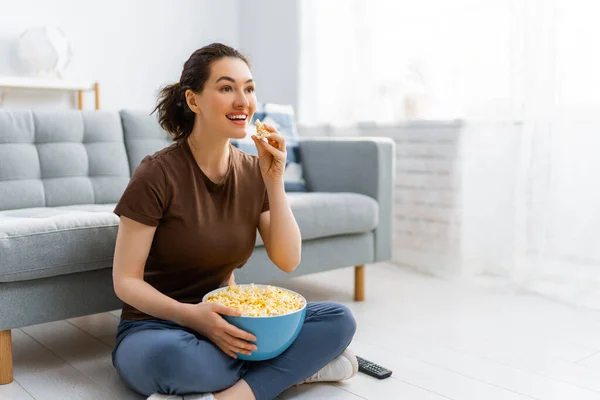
[532, 214]
[523, 75]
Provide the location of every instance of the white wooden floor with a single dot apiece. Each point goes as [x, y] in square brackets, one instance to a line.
[442, 340]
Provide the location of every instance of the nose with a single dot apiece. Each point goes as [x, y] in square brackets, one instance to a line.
[241, 101]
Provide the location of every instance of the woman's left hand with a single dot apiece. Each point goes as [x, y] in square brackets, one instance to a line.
[271, 155]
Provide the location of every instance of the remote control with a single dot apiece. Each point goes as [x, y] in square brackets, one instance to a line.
[372, 369]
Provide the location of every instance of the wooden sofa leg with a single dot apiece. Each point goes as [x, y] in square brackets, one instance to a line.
[6, 365]
[359, 283]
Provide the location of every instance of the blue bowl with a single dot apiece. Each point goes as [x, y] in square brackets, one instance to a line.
[274, 334]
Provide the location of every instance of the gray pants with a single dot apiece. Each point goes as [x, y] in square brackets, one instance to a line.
[161, 356]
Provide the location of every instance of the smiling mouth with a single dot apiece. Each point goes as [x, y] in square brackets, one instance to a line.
[240, 117]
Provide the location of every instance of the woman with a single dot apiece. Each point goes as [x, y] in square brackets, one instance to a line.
[188, 218]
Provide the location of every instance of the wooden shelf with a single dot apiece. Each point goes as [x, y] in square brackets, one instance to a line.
[17, 82]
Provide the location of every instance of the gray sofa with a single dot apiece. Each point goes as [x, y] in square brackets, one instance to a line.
[61, 173]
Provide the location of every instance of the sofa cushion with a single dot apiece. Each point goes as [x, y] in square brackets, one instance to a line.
[322, 215]
[48, 241]
[54, 158]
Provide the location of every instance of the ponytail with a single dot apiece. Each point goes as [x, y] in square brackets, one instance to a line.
[174, 115]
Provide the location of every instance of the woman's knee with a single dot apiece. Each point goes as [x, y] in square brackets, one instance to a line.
[174, 363]
[165, 360]
[145, 361]
[346, 322]
[204, 369]
[336, 327]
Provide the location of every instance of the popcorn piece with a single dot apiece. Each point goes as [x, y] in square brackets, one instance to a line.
[261, 131]
[255, 301]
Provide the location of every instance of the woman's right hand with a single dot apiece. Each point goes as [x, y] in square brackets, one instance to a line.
[205, 318]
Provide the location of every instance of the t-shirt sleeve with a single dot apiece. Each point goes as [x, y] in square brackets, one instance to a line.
[144, 198]
[265, 206]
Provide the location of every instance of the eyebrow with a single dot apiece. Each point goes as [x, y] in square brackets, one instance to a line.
[227, 78]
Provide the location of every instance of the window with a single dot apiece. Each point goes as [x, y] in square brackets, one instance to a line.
[365, 60]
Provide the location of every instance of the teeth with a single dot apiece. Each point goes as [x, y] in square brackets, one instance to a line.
[236, 116]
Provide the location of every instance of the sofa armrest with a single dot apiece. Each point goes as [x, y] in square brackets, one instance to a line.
[357, 165]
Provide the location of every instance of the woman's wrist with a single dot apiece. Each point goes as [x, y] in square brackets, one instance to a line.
[275, 185]
[181, 313]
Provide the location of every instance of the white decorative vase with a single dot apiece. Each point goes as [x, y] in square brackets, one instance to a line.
[415, 104]
[44, 51]
[416, 96]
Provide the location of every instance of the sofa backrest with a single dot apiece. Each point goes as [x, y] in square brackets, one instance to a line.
[143, 135]
[54, 158]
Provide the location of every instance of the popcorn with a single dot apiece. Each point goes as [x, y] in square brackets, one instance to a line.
[253, 301]
[261, 131]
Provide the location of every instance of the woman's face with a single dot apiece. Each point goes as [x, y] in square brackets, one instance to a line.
[227, 102]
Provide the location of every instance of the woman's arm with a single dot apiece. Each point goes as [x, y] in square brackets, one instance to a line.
[279, 230]
[131, 251]
[277, 227]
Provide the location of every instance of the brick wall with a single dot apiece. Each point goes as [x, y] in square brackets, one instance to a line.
[427, 218]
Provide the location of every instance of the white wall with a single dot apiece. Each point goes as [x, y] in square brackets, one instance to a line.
[269, 34]
[131, 47]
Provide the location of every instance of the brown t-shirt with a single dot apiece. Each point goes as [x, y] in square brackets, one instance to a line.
[204, 231]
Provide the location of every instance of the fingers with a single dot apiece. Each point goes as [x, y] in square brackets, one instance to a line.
[232, 345]
[238, 345]
[277, 141]
[231, 350]
[268, 147]
[238, 333]
[257, 142]
[221, 309]
[225, 348]
[275, 135]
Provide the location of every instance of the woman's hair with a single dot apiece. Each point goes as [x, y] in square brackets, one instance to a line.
[174, 115]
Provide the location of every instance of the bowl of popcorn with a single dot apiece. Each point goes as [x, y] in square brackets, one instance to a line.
[272, 314]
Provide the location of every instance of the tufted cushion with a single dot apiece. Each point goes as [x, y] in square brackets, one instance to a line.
[56, 158]
[282, 118]
[143, 135]
[47, 241]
